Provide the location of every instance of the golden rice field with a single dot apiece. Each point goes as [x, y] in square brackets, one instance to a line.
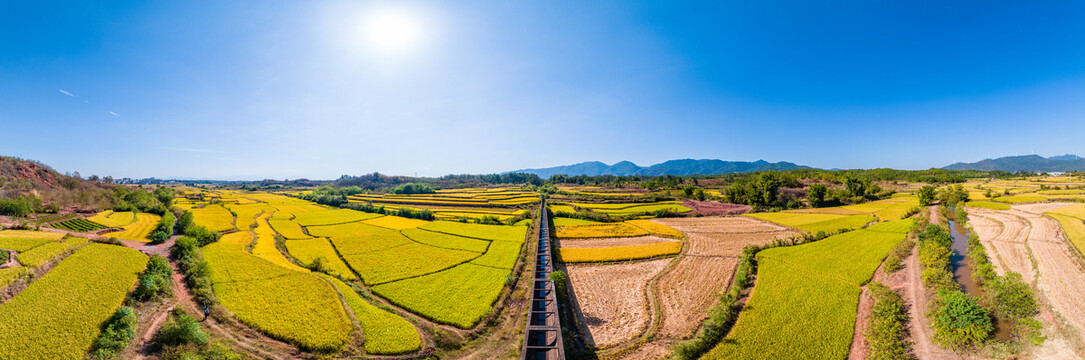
[562, 221]
[112, 219]
[59, 315]
[1077, 211]
[289, 305]
[619, 253]
[140, 230]
[385, 333]
[605, 230]
[814, 222]
[1017, 199]
[805, 299]
[23, 240]
[395, 222]
[657, 228]
[309, 250]
[987, 205]
[330, 217]
[405, 261]
[479, 231]
[463, 305]
[214, 217]
[446, 241]
[289, 229]
[8, 275]
[1074, 227]
[265, 245]
[39, 255]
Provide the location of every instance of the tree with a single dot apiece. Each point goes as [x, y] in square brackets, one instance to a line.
[952, 195]
[855, 186]
[926, 195]
[815, 195]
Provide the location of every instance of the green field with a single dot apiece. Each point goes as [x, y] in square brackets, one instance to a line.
[804, 301]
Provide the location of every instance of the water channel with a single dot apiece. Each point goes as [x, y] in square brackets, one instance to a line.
[962, 273]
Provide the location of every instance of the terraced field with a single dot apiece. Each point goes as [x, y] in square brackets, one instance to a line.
[59, 315]
[139, 230]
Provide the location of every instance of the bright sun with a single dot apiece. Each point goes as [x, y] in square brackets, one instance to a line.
[392, 31]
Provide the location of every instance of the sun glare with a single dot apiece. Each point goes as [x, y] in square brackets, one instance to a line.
[392, 31]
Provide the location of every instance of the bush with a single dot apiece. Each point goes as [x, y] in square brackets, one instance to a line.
[185, 221]
[202, 235]
[156, 279]
[20, 206]
[118, 331]
[959, 321]
[196, 270]
[885, 333]
[181, 329]
[1012, 300]
[893, 262]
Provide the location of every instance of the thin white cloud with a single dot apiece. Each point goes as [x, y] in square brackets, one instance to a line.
[114, 114]
[85, 101]
[195, 150]
[65, 92]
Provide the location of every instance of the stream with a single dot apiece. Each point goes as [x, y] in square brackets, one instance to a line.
[962, 273]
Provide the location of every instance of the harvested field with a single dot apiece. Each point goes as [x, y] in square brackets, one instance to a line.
[712, 248]
[612, 300]
[1062, 278]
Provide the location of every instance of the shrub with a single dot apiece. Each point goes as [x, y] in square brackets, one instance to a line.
[885, 331]
[119, 330]
[181, 329]
[155, 281]
[959, 321]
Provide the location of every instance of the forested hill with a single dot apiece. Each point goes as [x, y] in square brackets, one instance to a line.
[1031, 163]
[672, 167]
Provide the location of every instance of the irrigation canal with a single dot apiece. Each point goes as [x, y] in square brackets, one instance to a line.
[542, 338]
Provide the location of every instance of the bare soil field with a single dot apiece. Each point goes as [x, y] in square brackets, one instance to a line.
[612, 299]
[612, 242]
[1062, 279]
[1024, 241]
[1006, 243]
[706, 267]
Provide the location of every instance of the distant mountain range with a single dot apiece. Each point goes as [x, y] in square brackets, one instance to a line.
[672, 167]
[1033, 163]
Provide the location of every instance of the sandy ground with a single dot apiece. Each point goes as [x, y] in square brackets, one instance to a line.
[612, 242]
[612, 299]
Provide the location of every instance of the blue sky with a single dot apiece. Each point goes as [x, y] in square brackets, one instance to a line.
[299, 89]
